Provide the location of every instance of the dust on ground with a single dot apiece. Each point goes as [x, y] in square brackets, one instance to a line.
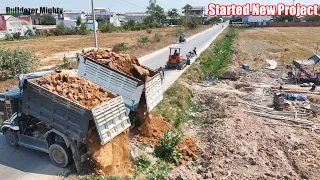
[282, 44]
[111, 159]
[234, 144]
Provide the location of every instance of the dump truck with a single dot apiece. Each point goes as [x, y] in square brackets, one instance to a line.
[139, 96]
[48, 122]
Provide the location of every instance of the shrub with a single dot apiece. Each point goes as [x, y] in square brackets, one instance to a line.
[149, 30]
[143, 39]
[9, 37]
[158, 171]
[66, 62]
[142, 164]
[83, 29]
[16, 62]
[180, 30]
[119, 47]
[157, 36]
[167, 148]
[107, 27]
[17, 35]
[60, 29]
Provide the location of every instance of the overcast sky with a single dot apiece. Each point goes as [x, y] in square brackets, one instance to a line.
[134, 6]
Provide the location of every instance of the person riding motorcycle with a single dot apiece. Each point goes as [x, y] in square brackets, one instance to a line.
[180, 39]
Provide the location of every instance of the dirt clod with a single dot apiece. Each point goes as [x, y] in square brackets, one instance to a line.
[189, 149]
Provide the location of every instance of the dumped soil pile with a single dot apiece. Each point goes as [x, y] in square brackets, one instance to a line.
[121, 62]
[152, 129]
[111, 159]
[189, 149]
[76, 89]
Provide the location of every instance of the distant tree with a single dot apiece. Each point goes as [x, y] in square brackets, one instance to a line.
[48, 19]
[79, 21]
[312, 18]
[173, 13]
[156, 12]
[186, 9]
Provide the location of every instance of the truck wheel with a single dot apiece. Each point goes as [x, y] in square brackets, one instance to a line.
[11, 138]
[60, 155]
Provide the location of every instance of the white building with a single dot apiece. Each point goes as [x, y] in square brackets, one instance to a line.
[74, 15]
[136, 16]
[9, 24]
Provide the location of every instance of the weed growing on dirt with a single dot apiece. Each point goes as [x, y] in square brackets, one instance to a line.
[142, 164]
[66, 62]
[157, 36]
[167, 150]
[158, 171]
[120, 47]
[143, 39]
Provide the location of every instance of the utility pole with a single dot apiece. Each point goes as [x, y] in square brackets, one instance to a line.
[94, 26]
[186, 16]
[293, 5]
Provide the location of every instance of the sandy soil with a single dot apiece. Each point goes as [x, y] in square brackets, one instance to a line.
[238, 145]
[279, 43]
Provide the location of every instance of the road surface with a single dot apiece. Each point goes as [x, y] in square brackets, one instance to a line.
[27, 164]
[159, 58]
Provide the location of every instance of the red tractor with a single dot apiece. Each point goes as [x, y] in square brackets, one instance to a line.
[175, 59]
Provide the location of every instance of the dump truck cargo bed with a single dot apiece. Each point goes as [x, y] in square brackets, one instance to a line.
[71, 118]
[130, 88]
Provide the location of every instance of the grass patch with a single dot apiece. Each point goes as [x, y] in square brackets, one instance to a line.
[145, 170]
[175, 104]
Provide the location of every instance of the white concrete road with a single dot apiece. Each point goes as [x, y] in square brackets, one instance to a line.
[201, 41]
[22, 163]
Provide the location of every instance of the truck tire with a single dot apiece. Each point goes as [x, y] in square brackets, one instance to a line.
[11, 138]
[60, 155]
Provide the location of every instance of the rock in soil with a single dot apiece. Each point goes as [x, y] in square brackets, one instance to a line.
[76, 89]
[120, 62]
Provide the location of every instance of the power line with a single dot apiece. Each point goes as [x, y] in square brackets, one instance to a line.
[133, 4]
[127, 4]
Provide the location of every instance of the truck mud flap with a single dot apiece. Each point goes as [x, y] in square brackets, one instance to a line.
[154, 92]
[110, 119]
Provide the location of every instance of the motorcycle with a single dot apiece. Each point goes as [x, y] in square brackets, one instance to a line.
[192, 54]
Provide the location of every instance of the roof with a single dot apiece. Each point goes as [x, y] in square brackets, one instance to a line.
[6, 17]
[197, 8]
[313, 60]
[25, 20]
